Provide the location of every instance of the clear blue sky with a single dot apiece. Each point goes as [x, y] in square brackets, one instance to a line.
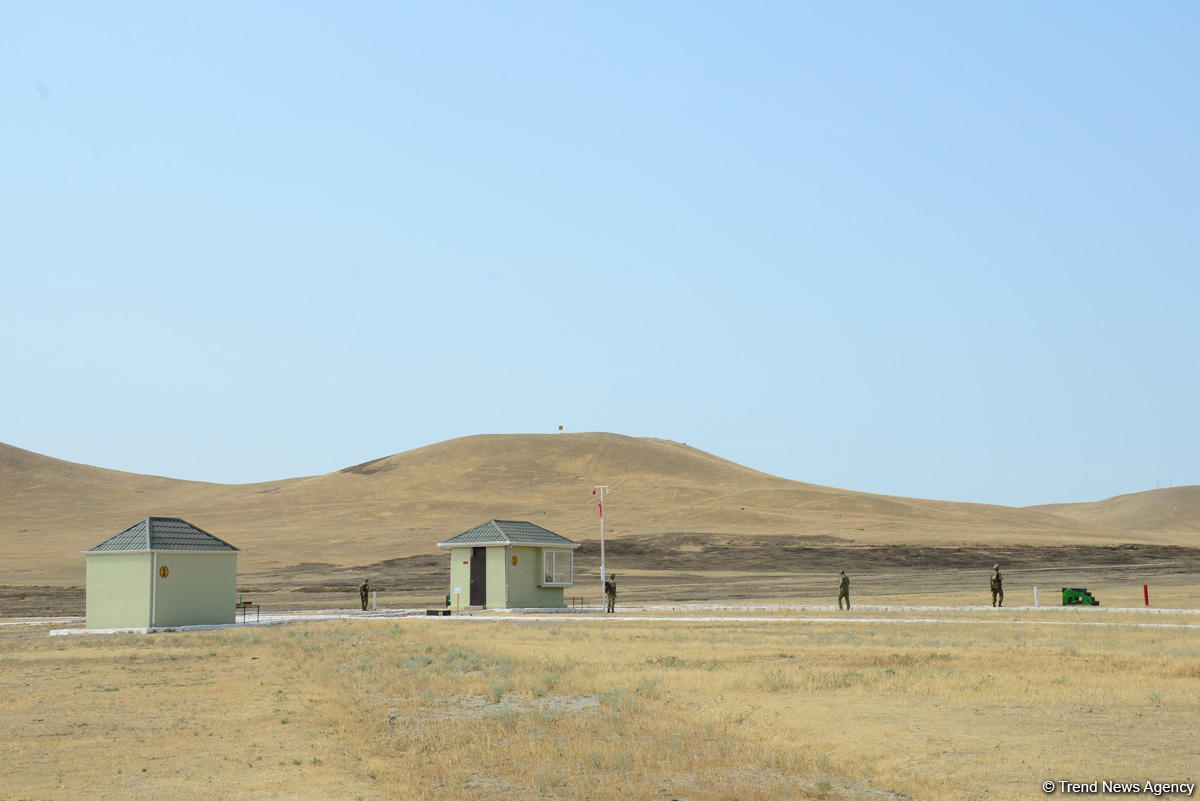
[946, 250]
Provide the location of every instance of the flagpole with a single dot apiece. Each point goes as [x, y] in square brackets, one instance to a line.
[600, 490]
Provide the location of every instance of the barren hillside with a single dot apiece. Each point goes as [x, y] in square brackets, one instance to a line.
[1173, 512]
[402, 505]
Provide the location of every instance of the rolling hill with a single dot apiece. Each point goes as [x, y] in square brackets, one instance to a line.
[402, 505]
[1174, 511]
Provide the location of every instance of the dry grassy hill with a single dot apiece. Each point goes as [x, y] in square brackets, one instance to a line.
[401, 505]
[1172, 513]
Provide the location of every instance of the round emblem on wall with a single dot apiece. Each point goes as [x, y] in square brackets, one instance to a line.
[514, 561]
[163, 571]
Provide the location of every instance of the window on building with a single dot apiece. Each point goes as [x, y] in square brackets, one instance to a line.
[558, 568]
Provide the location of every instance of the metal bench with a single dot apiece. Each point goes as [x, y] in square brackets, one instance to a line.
[244, 607]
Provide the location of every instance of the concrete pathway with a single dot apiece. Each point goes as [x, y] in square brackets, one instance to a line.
[694, 613]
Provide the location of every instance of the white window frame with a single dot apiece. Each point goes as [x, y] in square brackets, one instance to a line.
[551, 567]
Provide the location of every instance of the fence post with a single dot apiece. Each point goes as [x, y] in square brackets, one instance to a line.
[1035, 598]
[1146, 593]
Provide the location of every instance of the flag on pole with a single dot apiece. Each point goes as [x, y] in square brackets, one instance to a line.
[601, 507]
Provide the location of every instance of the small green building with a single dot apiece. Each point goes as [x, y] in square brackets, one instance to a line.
[161, 571]
[510, 564]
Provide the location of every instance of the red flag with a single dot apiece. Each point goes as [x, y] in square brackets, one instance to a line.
[601, 506]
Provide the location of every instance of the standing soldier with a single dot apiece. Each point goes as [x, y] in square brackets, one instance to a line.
[844, 591]
[363, 591]
[997, 587]
[610, 592]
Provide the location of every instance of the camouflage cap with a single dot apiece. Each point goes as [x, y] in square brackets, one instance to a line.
[995, 567]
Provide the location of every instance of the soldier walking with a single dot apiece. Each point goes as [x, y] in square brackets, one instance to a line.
[363, 592]
[610, 592]
[844, 591]
[997, 587]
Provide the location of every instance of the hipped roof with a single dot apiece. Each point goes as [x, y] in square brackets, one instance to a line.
[163, 534]
[508, 532]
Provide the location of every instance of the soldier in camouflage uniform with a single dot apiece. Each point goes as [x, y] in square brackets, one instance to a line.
[610, 593]
[844, 591]
[363, 592]
[997, 587]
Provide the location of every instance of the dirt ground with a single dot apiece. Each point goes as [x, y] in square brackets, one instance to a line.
[712, 568]
[967, 704]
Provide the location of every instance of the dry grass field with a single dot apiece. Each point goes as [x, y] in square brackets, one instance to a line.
[879, 703]
[582, 707]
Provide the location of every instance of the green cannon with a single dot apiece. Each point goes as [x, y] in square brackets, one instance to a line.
[1077, 596]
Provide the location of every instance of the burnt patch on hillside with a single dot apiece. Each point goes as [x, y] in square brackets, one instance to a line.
[708, 567]
[41, 601]
[802, 555]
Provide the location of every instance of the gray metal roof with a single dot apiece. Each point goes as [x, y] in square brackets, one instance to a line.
[163, 534]
[508, 532]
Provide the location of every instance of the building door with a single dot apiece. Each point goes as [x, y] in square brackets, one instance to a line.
[479, 577]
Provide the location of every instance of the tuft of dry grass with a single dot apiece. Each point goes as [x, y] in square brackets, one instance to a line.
[579, 709]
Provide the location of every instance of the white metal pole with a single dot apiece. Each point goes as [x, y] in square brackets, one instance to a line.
[602, 535]
[600, 489]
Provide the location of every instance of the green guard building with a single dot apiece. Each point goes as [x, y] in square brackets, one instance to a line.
[161, 572]
[510, 564]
